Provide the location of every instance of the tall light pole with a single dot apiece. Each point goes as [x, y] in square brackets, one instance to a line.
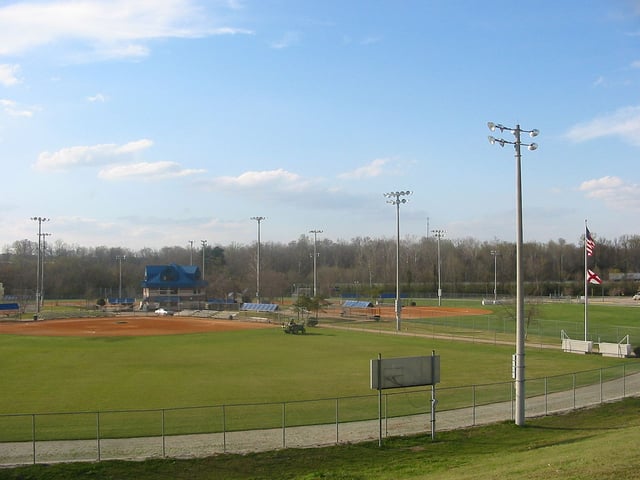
[520, 332]
[258, 219]
[395, 198]
[190, 252]
[495, 254]
[120, 258]
[40, 220]
[439, 234]
[315, 257]
[44, 254]
[204, 248]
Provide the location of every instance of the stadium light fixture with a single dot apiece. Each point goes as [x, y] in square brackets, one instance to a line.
[520, 332]
[395, 198]
[259, 220]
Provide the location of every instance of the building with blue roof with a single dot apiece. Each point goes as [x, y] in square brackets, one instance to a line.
[173, 286]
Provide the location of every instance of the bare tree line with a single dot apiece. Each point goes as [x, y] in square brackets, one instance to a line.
[362, 266]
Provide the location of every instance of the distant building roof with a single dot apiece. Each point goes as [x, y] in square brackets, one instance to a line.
[173, 276]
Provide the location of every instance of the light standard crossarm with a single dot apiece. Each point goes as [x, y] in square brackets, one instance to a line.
[395, 198]
[520, 332]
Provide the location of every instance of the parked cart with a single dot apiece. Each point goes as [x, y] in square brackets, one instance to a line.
[293, 327]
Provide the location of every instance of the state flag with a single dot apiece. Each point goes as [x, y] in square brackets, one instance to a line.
[593, 277]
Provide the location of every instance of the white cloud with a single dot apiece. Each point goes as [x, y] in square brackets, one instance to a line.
[251, 179]
[8, 74]
[623, 123]
[373, 169]
[146, 171]
[88, 155]
[134, 146]
[98, 97]
[117, 28]
[11, 108]
[287, 40]
[614, 192]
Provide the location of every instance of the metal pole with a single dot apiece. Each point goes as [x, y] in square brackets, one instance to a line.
[439, 275]
[42, 258]
[204, 247]
[394, 199]
[315, 256]
[258, 219]
[379, 399]
[398, 304]
[120, 258]
[38, 268]
[39, 260]
[439, 234]
[520, 333]
[495, 275]
[520, 328]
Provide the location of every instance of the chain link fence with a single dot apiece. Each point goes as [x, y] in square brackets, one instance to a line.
[241, 428]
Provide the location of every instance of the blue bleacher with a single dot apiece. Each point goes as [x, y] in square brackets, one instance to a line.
[9, 306]
[356, 304]
[259, 307]
[121, 301]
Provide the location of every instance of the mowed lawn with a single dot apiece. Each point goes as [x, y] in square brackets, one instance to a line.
[56, 374]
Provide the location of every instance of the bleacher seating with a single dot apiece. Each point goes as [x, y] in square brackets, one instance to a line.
[259, 307]
[356, 304]
[9, 308]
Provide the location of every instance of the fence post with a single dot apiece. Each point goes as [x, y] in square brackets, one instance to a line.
[164, 450]
[601, 385]
[574, 391]
[284, 423]
[546, 395]
[511, 399]
[98, 434]
[33, 435]
[224, 429]
[337, 421]
[473, 405]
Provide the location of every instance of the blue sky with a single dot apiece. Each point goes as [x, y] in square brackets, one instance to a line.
[151, 123]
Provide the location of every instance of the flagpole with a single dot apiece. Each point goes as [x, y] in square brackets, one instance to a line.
[586, 286]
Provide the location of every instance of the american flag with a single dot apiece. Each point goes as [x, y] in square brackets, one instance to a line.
[593, 277]
[590, 244]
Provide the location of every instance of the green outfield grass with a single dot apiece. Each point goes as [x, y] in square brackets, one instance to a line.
[544, 322]
[58, 375]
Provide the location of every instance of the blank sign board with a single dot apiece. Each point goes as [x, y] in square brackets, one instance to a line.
[405, 372]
